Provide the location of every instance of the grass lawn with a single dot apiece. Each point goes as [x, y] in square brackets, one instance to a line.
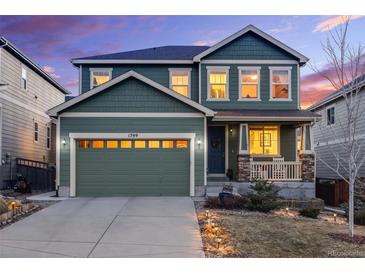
[253, 234]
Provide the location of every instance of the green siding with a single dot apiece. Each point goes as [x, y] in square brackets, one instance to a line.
[264, 90]
[156, 72]
[131, 95]
[288, 142]
[127, 125]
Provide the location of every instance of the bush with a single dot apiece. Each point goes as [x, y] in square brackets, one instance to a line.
[359, 217]
[234, 202]
[3, 206]
[310, 212]
[264, 197]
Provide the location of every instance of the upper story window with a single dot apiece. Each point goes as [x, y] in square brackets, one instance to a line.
[36, 132]
[280, 83]
[249, 83]
[24, 82]
[218, 84]
[330, 116]
[99, 76]
[48, 140]
[180, 81]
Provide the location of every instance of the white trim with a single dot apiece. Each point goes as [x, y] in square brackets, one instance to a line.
[311, 150]
[188, 71]
[252, 28]
[262, 118]
[133, 114]
[74, 136]
[1, 133]
[58, 154]
[25, 106]
[217, 68]
[200, 83]
[49, 126]
[129, 61]
[35, 131]
[205, 150]
[258, 71]
[80, 79]
[334, 115]
[248, 62]
[92, 70]
[131, 73]
[240, 151]
[288, 69]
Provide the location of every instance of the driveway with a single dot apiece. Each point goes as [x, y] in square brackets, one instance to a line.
[107, 227]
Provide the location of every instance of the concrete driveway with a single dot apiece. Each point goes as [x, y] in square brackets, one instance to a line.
[107, 227]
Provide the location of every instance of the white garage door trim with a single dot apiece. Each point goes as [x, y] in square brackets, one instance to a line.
[74, 136]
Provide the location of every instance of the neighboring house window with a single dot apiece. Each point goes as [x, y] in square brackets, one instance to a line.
[218, 83]
[48, 137]
[280, 83]
[264, 140]
[249, 83]
[330, 116]
[24, 79]
[36, 132]
[99, 76]
[180, 81]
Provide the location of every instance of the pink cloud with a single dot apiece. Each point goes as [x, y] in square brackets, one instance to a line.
[204, 42]
[333, 22]
[51, 71]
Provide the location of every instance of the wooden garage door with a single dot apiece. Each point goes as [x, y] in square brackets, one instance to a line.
[132, 168]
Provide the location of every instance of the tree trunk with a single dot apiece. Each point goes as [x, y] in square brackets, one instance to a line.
[351, 208]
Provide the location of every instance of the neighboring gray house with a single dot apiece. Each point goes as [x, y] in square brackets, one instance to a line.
[328, 132]
[26, 93]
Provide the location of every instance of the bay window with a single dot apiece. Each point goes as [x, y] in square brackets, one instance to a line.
[280, 83]
[249, 83]
[264, 140]
[180, 81]
[218, 83]
[99, 76]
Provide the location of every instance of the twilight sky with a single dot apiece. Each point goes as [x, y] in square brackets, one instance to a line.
[51, 41]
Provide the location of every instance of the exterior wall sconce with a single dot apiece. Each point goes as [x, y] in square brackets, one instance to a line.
[199, 142]
[231, 131]
[64, 141]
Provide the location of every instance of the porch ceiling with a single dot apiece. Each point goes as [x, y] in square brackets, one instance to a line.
[267, 115]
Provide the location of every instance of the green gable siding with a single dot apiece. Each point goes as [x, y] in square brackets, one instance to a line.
[127, 125]
[264, 90]
[156, 72]
[250, 46]
[131, 95]
[288, 142]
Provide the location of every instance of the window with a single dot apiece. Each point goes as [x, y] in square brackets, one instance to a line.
[84, 144]
[330, 116]
[48, 130]
[180, 81]
[99, 76]
[264, 140]
[249, 83]
[36, 132]
[181, 144]
[139, 144]
[126, 144]
[154, 144]
[112, 144]
[167, 144]
[24, 79]
[218, 83]
[280, 83]
[98, 144]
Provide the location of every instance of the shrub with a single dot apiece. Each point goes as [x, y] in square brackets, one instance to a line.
[310, 212]
[264, 197]
[234, 202]
[3, 206]
[359, 217]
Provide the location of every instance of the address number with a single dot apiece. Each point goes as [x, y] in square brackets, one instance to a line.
[133, 135]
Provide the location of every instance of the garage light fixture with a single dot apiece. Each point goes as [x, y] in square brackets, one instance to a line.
[64, 141]
[199, 142]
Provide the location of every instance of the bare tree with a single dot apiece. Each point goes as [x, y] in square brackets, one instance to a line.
[345, 73]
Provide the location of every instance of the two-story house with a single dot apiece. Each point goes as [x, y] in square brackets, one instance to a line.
[26, 93]
[168, 120]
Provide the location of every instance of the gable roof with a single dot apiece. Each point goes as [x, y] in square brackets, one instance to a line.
[166, 53]
[301, 57]
[54, 111]
[21, 56]
[358, 82]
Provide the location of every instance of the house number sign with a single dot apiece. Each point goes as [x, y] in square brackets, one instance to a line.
[132, 135]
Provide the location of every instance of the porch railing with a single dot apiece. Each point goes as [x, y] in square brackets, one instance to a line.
[276, 171]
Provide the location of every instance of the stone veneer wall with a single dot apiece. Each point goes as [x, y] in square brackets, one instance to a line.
[243, 170]
[308, 167]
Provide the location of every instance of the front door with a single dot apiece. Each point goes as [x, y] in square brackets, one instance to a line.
[216, 149]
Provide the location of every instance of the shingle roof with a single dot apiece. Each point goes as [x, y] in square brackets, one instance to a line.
[158, 53]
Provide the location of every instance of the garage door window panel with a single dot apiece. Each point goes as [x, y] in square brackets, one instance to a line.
[126, 144]
[140, 144]
[112, 144]
[98, 144]
[167, 144]
[84, 144]
[153, 144]
[181, 144]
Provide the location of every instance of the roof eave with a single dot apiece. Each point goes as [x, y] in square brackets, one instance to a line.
[128, 61]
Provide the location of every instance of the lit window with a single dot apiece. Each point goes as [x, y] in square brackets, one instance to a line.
[99, 76]
[36, 132]
[84, 144]
[48, 140]
[139, 144]
[181, 144]
[167, 144]
[264, 140]
[126, 144]
[330, 116]
[218, 84]
[98, 144]
[112, 144]
[180, 82]
[154, 144]
[249, 83]
[24, 79]
[280, 83]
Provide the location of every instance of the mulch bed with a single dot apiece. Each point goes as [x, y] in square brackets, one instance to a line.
[356, 239]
